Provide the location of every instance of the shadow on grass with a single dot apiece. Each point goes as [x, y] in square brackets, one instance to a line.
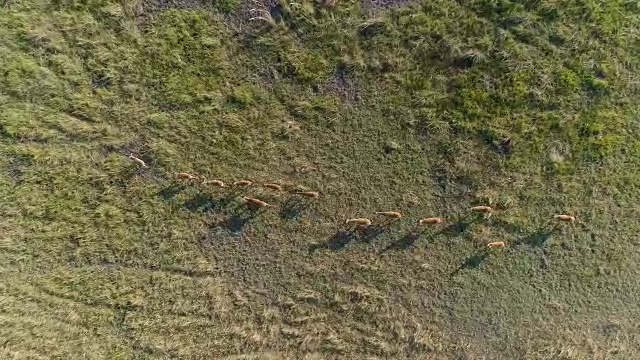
[201, 203]
[236, 223]
[458, 227]
[227, 200]
[241, 216]
[502, 146]
[539, 237]
[371, 233]
[293, 208]
[473, 262]
[170, 191]
[403, 243]
[506, 226]
[336, 242]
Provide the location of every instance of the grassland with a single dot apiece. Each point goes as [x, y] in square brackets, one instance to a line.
[388, 108]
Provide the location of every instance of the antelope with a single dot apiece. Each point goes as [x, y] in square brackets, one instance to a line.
[359, 221]
[273, 186]
[256, 202]
[390, 214]
[140, 162]
[243, 183]
[187, 176]
[309, 194]
[565, 218]
[486, 210]
[431, 220]
[216, 183]
[496, 244]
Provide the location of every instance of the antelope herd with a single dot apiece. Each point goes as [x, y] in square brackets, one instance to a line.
[359, 223]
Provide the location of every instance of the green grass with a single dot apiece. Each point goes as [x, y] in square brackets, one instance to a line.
[390, 109]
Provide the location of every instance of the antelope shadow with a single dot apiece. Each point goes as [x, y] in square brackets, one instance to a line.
[240, 217]
[459, 227]
[540, 236]
[403, 243]
[473, 262]
[336, 242]
[293, 208]
[170, 191]
[201, 203]
[371, 233]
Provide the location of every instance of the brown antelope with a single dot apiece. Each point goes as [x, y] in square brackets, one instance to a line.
[137, 160]
[486, 210]
[185, 176]
[243, 183]
[309, 194]
[359, 221]
[431, 220]
[390, 214]
[496, 244]
[565, 218]
[256, 202]
[216, 183]
[273, 186]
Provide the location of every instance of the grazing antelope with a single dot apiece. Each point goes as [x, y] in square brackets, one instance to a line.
[565, 218]
[186, 176]
[359, 221]
[256, 202]
[243, 183]
[216, 183]
[309, 194]
[496, 244]
[390, 214]
[273, 186]
[431, 220]
[486, 210]
[140, 162]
